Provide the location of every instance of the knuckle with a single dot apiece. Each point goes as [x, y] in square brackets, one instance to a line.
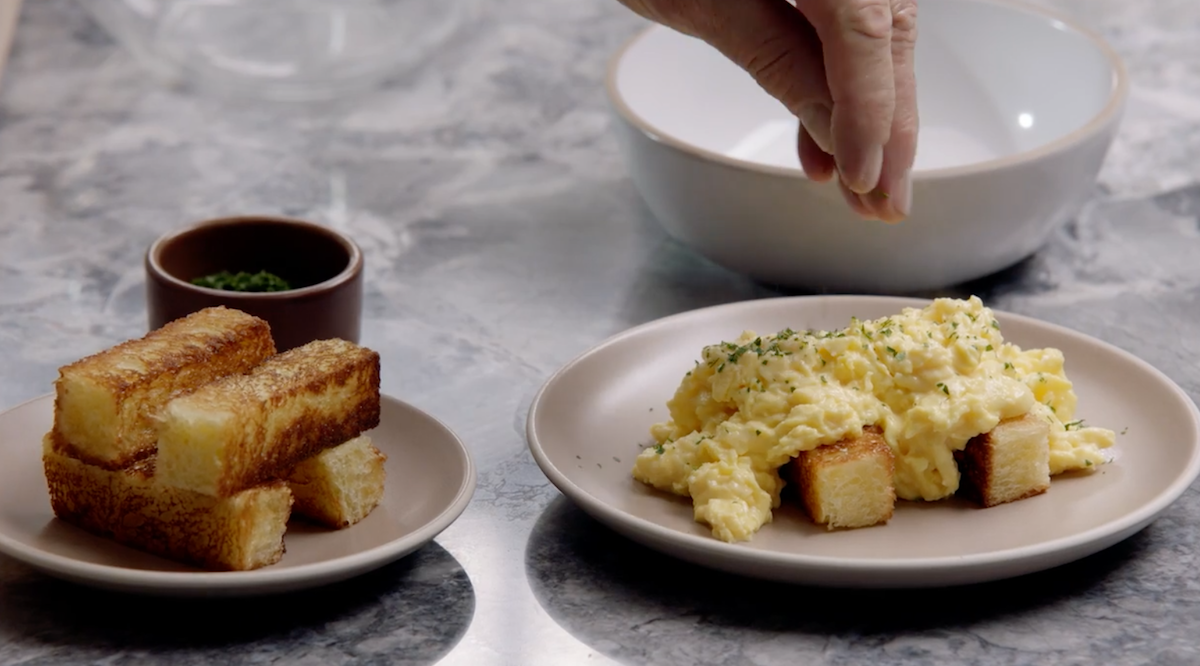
[865, 118]
[874, 115]
[773, 65]
[680, 15]
[869, 18]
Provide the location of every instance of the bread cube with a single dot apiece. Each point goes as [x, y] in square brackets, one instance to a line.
[847, 484]
[1009, 463]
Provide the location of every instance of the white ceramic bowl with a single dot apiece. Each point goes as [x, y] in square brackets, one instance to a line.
[1018, 108]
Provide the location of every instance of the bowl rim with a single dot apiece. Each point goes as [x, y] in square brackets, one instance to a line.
[1112, 108]
[154, 267]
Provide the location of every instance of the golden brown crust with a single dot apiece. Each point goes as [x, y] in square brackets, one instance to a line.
[975, 468]
[106, 404]
[289, 408]
[236, 533]
[805, 470]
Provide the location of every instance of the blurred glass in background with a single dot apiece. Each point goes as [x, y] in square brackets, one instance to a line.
[284, 50]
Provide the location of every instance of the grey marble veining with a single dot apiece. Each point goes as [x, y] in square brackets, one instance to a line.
[1117, 607]
[502, 237]
[410, 612]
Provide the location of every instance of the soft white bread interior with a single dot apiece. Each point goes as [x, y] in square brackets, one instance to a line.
[848, 483]
[1012, 462]
[340, 486]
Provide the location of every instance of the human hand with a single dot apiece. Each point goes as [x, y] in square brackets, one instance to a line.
[843, 67]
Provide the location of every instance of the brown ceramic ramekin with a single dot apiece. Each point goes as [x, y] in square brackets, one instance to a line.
[322, 266]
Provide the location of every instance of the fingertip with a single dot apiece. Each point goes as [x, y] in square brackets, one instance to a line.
[883, 205]
[860, 166]
[856, 202]
[817, 121]
[816, 163]
[902, 195]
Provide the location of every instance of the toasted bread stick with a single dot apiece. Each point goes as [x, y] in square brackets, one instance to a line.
[106, 404]
[240, 532]
[240, 431]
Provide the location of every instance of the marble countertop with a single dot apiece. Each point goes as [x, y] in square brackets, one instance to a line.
[502, 238]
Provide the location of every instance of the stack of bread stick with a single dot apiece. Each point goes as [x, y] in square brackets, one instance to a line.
[198, 441]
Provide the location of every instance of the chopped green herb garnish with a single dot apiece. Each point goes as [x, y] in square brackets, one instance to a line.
[1087, 463]
[1008, 366]
[659, 449]
[988, 348]
[252, 282]
[944, 388]
[995, 324]
[1073, 425]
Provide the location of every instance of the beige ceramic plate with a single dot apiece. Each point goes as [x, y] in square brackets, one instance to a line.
[592, 418]
[430, 480]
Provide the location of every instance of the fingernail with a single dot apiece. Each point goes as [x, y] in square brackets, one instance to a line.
[902, 195]
[863, 175]
[856, 203]
[817, 119]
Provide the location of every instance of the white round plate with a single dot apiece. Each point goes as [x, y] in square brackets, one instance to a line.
[593, 416]
[430, 480]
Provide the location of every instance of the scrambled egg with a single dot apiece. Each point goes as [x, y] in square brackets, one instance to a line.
[931, 378]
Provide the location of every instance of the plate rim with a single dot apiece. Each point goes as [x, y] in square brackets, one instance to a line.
[797, 562]
[258, 581]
